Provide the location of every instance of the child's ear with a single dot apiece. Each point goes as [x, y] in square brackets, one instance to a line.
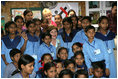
[58, 55]
[12, 58]
[22, 66]
[42, 39]
[45, 72]
[81, 48]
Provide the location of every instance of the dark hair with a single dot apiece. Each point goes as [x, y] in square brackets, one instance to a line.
[36, 19]
[29, 22]
[86, 17]
[114, 4]
[18, 17]
[59, 16]
[42, 58]
[76, 20]
[46, 34]
[62, 48]
[89, 27]
[79, 53]
[51, 27]
[78, 44]
[67, 62]
[66, 72]
[8, 24]
[81, 72]
[26, 12]
[101, 18]
[14, 52]
[48, 65]
[67, 19]
[25, 59]
[97, 65]
[58, 61]
[71, 10]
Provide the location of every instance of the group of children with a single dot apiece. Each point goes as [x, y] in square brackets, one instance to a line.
[34, 48]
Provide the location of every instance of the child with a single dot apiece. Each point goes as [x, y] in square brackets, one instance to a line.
[79, 60]
[50, 70]
[76, 47]
[66, 73]
[38, 27]
[48, 16]
[44, 59]
[10, 41]
[26, 66]
[59, 67]
[62, 54]
[74, 19]
[19, 22]
[95, 50]
[32, 43]
[58, 21]
[108, 37]
[98, 69]
[15, 55]
[81, 74]
[81, 36]
[46, 46]
[69, 64]
[67, 35]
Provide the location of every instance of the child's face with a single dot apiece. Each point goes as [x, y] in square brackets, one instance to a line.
[51, 73]
[90, 33]
[58, 20]
[16, 57]
[74, 20]
[53, 33]
[32, 28]
[98, 73]
[28, 16]
[48, 16]
[79, 60]
[47, 40]
[67, 25]
[38, 25]
[19, 23]
[71, 67]
[104, 24]
[66, 76]
[85, 23]
[81, 76]
[59, 67]
[114, 10]
[76, 48]
[63, 54]
[12, 29]
[28, 68]
[47, 59]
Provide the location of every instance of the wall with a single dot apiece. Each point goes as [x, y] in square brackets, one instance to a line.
[5, 10]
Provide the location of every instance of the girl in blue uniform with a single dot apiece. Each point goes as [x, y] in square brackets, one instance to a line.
[81, 36]
[46, 47]
[25, 66]
[79, 60]
[95, 50]
[10, 41]
[67, 35]
[32, 43]
[108, 37]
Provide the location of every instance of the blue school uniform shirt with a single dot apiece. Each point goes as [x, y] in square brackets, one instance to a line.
[32, 48]
[109, 41]
[10, 68]
[95, 51]
[81, 37]
[82, 66]
[45, 49]
[18, 75]
[7, 45]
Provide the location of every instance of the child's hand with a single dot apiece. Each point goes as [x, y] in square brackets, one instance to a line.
[24, 35]
[107, 72]
[6, 63]
[90, 71]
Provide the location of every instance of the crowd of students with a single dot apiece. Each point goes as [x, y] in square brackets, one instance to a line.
[67, 47]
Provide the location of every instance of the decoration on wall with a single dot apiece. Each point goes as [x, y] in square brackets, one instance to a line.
[49, 4]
